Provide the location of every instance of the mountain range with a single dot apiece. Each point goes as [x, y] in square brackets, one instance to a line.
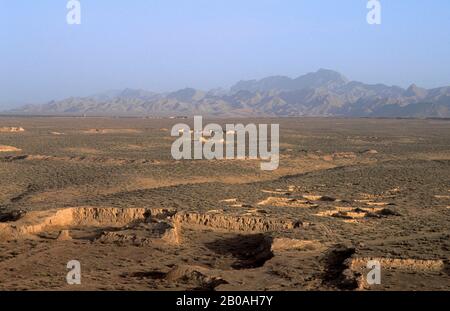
[321, 93]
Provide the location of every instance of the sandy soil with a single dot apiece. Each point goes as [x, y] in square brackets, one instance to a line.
[348, 191]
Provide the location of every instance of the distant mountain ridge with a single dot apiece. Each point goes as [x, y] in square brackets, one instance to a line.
[321, 93]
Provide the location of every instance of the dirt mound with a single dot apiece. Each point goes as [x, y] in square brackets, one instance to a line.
[235, 203]
[107, 216]
[408, 264]
[229, 201]
[278, 191]
[64, 235]
[340, 156]
[4, 148]
[11, 129]
[369, 151]
[378, 203]
[142, 234]
[322, 198]
[287, 202]
[286, 244]
[351, 213]
[442, 197]
[115, 224]
[236, 223]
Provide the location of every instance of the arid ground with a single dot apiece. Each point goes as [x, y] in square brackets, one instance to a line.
[106, 192]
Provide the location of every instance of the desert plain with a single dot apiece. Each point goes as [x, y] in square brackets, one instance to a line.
[107, 193]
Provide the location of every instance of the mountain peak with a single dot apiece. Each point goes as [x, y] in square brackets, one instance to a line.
[331, 74]
[415, 91]
[187, 94]
[323, 78]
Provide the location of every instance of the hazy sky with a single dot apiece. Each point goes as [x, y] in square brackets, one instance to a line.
[165, 45]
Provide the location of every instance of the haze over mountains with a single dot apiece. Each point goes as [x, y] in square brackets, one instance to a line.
[322, 93]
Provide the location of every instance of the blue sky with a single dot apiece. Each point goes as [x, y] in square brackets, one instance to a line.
[164, 45]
